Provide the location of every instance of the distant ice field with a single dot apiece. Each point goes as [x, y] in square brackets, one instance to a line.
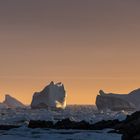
[88, 113]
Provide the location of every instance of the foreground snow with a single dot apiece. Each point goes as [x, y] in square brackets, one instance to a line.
[22, 116]
[25, 133]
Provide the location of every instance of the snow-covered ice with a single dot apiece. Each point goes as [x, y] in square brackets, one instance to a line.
[89, 113]
[74, 112]
[25, 133]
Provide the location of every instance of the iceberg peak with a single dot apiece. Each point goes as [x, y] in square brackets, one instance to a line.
[11, 102]
[52, 96]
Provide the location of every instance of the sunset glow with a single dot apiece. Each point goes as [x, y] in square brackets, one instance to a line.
[88, 46]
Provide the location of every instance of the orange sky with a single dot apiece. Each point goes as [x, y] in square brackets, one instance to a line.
[86, 44]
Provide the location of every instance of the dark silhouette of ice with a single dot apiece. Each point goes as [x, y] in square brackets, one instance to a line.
[111, 101]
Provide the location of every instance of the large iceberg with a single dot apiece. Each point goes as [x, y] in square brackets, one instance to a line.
[11, 102]
[52, 96]
[116, 102]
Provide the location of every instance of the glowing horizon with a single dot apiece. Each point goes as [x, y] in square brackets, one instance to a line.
[86, 45]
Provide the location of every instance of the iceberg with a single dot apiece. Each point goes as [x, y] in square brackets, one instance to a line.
[3, 106]
[52, 96]
[117, 102]
[11, 102]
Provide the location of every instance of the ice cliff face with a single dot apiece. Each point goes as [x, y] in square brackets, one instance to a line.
[52, 96]
[111, 101]
[11, 102]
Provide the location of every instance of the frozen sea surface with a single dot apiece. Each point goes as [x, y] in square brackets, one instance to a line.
[25, 133]
[74, 112]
